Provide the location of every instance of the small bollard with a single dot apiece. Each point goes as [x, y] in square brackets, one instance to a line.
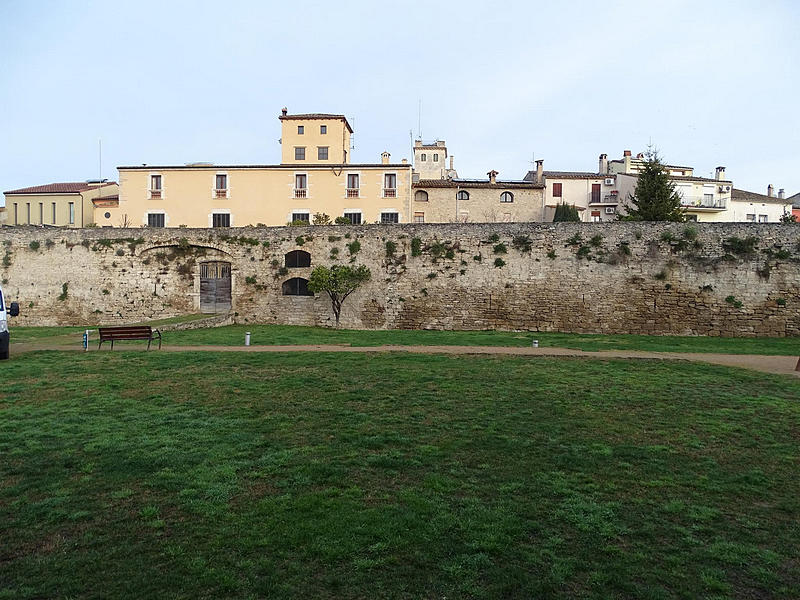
[535, 344]
[247, 338]
[86, 340]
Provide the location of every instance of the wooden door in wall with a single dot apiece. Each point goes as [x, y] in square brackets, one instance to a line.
[215, 287]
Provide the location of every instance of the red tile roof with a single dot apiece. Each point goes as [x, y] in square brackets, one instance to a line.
[73, 187]
[313, 116]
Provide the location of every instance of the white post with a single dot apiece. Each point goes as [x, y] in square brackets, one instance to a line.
[247, 338]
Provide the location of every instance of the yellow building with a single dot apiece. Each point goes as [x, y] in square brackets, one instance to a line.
[315, 176]
[59, 204]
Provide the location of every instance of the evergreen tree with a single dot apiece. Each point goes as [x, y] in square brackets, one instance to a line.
[566, 212]
[654, 198]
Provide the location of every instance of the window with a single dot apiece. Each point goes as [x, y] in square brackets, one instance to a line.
[222, 183]
[301, 130]
[595, 192]
[300, 182]
[762, 219]
[353, 217]
[390, 217]
[462, 195]
[435, 158]
[155, 219]
[389, 185]
[71, 213]
[423, 157]
[16, 218]
[28, 207]
[322, 153]
[54, 213]
[421, 196]
[750, 218]
[300, 153]
[506, 197]
[296, 259]
[107, 215]
[352, 185]
[296, 286]
[155, 183]
[419, 217]
[323, 129]
[301, 216]
[220, 220]
[708, 199]
[556, 190]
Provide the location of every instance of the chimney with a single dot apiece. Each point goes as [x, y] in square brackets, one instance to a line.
[539, 172]
[720, 173]
[626, 153]
[385, 158]
[284, 110]
[404, 161]
[451, 162]
[770, 190]
[492, 176]
[781, 194]
[603, 168]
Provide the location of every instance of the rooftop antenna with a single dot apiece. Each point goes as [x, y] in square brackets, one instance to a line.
[419, 119]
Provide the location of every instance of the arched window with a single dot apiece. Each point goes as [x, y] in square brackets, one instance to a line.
[462, 195]
[506, 197]
[421, 196]
[296, 286]
[297, 258]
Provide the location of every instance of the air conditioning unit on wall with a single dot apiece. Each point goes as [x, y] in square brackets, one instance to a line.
[610, 181]
[610, 210]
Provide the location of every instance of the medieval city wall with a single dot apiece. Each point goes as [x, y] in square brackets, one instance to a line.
[687, 279]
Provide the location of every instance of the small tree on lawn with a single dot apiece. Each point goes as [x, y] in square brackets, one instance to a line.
[338, 281]
[566, 212]
[654, 198]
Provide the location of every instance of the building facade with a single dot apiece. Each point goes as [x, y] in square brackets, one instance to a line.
[595, 195]
[70, 204]
[315, 176]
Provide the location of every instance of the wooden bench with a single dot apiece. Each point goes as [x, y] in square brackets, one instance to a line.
[134, 332]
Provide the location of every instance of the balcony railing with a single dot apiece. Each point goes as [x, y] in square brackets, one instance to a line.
[352, 192]
[300, 192]
[702, 202]
[221, 193]
[155, 193]
[390, 193]
[604, 199]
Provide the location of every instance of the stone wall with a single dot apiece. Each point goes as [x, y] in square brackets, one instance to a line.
[696, 279]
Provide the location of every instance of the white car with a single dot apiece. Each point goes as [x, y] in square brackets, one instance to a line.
[12, 310]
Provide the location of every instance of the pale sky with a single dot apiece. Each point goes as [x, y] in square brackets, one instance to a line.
[708, 82]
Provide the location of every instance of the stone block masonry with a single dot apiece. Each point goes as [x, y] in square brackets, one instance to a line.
[729, 279]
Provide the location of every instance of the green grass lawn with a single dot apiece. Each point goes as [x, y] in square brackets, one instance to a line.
[293, 335]
[214, 475]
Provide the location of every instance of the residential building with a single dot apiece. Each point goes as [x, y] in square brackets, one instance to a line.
[595, 195]
[441, 196]
[69, 204]
[703, 198]
[795, 200]
[315, 176]
[759, 208]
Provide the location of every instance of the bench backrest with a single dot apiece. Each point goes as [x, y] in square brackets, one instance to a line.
[123, 332]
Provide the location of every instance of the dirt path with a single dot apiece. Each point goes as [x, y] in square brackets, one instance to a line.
[784, 365]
